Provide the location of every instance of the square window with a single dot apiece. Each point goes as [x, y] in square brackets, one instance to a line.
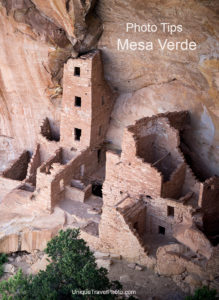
[161, 230]
[77, 134]
[170, 211]
[77, 101]
[77, 71]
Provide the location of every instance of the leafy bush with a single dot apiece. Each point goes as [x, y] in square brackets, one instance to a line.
[3, 259]
[203, 293]
[72, 268]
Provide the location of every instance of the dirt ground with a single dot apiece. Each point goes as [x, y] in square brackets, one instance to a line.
[144, 282]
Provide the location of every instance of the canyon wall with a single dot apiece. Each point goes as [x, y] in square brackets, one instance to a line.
[151, 82]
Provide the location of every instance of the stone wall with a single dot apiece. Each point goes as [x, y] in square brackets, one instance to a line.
[134, 213]
[52, 176]
[119, 237]
[79, 167]
[56, 158]
[210, 206]
[34, 163]
[48, 139]
[166, 213]
[87, 102]
[135, 174]
[163, 141]
[18, 167]
[213, 266]
[173, 187]
[78, 116]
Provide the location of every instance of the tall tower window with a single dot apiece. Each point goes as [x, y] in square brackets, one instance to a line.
[161, 230]
[99, 155]
[78, 101]
[170, 211]
[77, 71]
[77, 134]
[103, 100]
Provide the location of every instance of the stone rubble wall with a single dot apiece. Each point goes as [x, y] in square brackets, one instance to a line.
[210, 205]
[173, 187]
[18, 168]
[118, 236]
[51, 186]
[34, 163]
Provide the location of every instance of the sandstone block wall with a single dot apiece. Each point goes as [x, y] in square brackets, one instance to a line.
[173, 187]
[163, 143]
[117, 236]
[47, 148]
[87, 103]
[134, 213]
[47, 131]
[131, 177]
[158, 214]
[18, 168]
[136, 174]
[76, 116]
[52, 176]
[34, 163]
[210, 206]
[79, 167]
[78, 194]
[56, 158]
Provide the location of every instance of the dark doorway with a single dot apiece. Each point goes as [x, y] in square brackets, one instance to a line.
[97, 189]
[161, 230]
[170, 211]
[77, 134]
[77, 71]
[136, 226]
[78, 101]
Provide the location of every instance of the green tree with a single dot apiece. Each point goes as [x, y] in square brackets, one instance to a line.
[203, 293]
[3, 259]
[72, 267]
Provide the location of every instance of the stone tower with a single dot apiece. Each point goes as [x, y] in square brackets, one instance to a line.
[87, 103]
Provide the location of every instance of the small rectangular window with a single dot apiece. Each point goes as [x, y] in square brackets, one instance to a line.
[77, 101]
[161, 230]
[77, 71]
[170, 211]
[103, 100]
[99, 155]
[77, 134]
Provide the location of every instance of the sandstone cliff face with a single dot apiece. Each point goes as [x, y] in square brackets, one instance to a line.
[157, 81]
[37, 37]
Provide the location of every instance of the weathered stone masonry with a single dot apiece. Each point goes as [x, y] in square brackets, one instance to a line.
[151, 170]
[153, 210]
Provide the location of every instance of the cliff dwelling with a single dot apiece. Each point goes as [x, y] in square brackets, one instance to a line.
[143, 201]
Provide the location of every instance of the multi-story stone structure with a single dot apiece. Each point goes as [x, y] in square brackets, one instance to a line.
[87, 103]
[152, 209]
